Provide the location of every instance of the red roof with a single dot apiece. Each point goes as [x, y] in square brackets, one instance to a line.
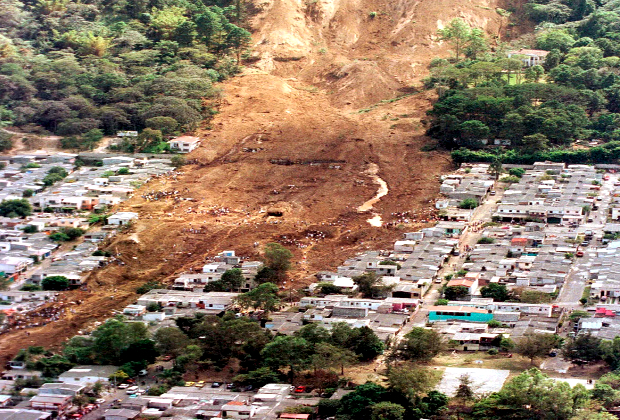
[235, 403]
[294, 416]
[519, 241]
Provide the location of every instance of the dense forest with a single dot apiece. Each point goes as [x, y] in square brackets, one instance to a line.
[81, 69]
[574, 96]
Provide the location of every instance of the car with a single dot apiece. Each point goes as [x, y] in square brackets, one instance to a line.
[300, 389]
[553, 353]
[456, 252]
[230, 386]
[216, 385]
[131, 390]
[585, 243]
[100, 401]
[143, 372]
[492, 192]
[617, 184]
[189, 383]
[167, 357]
[606, 177]
[579, 253]
[200, 384]
[438, 280]
[123, 386]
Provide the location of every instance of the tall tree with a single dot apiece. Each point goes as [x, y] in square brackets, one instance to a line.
[278, 259]
[458, 33]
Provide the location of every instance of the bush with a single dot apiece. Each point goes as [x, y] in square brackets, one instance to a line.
[57, 283]
[15, 208]
[518, 172]
[468, 203]
[486, 240]
[31, 229]
[493, 352]
[510, 179]
[27, 193]
[30, 288]
[147, 287]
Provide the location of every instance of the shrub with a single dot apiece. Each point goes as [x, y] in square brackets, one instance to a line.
[468, 203]
[55, 283]
[486, 240]
[518, 172]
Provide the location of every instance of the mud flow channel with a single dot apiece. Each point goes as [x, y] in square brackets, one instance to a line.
[383, 190]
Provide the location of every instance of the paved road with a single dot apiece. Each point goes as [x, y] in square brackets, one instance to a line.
[482, 214]
[577, 278]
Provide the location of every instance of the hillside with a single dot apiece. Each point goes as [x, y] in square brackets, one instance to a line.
[296, 134]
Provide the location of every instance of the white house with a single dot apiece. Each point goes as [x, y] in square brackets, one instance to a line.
[122, 218]
[184, 144]
[530, 57]
[238, 410]
[83, 375]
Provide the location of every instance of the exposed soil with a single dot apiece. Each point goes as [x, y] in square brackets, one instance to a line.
[296, 135]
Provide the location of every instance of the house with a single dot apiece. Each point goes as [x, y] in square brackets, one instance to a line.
[120, 414]
[184, 144]
[23, 414]
[461, 313]
[238, 410]
[470, 284]
[530, 57]
[14, 374]
[122, 218]
[84, 375]
[50, 402]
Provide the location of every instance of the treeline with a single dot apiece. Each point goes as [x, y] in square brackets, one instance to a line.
[71, 67]
[607, 153]
[574, 95]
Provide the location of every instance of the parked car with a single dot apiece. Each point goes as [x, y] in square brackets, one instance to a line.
[300, 389]
[585, 243]
[100, 401]
[143, 372]
[230, 386]
[189, 383]
[123, 386]
[131, 390]
[200, 384]
[166, 358]
[579, 253]
[216, 385]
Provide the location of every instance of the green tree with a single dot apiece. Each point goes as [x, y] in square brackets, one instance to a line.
[364, 342]
[370, 285]
[497, 291]
[410, 381]
[611, 352]
[532, 395]
[458, 33]
[534, 346]
[355, 404]
[278, 259]
[170, 340]
[455, 292]
[420, 344]
[496, 168]
[264, 297]
[15, 208]
[55, 283]
[287, 351]
[468, 203]
[232, 279]
[535, 143]
[387, 411]
[328, 356]
[583, 348]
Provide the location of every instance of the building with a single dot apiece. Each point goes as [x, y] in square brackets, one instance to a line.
[23, 414]
[85, 375]
[238, 410]
[461, 313]
[184, 144]
[530, 57]
[122, 218]
[120, 414]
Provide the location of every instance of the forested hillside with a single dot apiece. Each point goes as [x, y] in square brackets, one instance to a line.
[573, 96]
[72, 67]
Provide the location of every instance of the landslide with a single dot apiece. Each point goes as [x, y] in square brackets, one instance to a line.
[295, 136]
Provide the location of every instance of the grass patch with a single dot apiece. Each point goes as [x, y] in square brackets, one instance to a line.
[385, 101]
[461, 359]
